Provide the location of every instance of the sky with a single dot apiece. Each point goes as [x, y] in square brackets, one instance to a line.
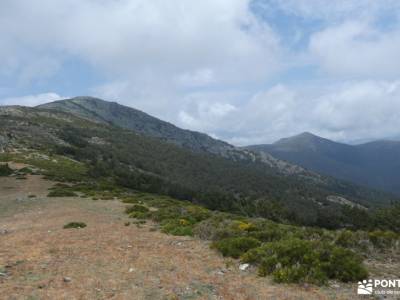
[245, 71]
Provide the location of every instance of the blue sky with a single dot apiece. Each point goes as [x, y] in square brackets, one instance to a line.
[244, 71]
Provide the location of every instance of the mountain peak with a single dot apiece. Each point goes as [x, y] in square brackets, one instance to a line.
[86, 98]
[307, 134]
[302, 138]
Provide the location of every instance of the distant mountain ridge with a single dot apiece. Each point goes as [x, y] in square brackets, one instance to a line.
[374, 164]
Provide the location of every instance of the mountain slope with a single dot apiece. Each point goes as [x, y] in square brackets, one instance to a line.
[148, 164]
[112, 113]
[375, 164]
[126, 117]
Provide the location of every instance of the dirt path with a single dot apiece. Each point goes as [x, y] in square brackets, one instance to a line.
[108, 260]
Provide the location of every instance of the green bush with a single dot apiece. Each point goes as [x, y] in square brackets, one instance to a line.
[383, 239]
[167, 213]
[5, 170]
[140, 215]
[136, 208]
[344, 265]
[269, 235]
[25, 170]
[179, 227]
[77, 225]
[295, 260]
[345, 238]
[217, 227]
[235, 247]
[61, 193]
[138, 212]
[131, 200]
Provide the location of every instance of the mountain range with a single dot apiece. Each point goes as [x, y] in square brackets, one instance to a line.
[133, 149]
[374, 164]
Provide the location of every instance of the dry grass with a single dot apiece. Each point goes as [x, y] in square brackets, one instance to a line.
[108, 260]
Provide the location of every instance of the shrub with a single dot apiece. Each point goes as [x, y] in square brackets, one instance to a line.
[140, 215]
[269, 235]
[177, 227]
[196, 213]
[25, 170]
[295, 260]
[345, 238]
[77, 225]
[344, 265]
[136, 208]
[138, 211]
[131, 200]
[61, 193]
[167, 213]
[5, 170]
[383, 239]
[235, 247]
[217, 227]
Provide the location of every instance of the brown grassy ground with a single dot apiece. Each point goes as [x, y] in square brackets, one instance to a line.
[108, 260]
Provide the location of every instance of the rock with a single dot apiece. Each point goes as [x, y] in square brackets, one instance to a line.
[67, 279]
[221, 271]
[244, 267]
[4, 231]
[131, 270]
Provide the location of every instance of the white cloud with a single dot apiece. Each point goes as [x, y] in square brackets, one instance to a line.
[199, 42]
[357, 49]
[31, 100]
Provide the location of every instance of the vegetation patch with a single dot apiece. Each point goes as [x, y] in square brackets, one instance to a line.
[295, 260]
[288, 253]
[177, 227]
[26, 170]
[62, 190]
[237, 246]
[5, 170]
[138, 211]
[76, 225]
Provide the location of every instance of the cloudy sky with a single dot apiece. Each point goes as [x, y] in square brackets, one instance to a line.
[244, 71]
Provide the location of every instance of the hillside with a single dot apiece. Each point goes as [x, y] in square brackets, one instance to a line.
[112, 113]
[148, 164]
[96, 263]
[375, 164]
[98, 110]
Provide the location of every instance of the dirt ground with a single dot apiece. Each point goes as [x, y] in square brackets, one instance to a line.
[109, 260]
